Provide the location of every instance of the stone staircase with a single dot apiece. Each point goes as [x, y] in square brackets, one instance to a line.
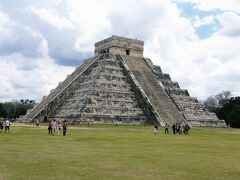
[166, 109]
[105, 95]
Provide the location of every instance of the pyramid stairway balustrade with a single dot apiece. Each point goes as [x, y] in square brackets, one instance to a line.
[56, 92]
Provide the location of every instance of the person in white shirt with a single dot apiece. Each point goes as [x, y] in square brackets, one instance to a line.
[7, 126]
[155, 130]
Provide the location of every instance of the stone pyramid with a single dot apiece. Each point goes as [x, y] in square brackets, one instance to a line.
[119, 85]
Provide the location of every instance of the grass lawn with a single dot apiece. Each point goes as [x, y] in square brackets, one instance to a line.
[123, 152]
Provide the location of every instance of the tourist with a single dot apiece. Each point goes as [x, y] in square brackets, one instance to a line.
[166, 128]
[37, 123]
[177, 128]
[180, 128]
[1, 126]
[59, 127]
[54, 126]
[7, 126]
[155, 130]
[186, 129]
[50, 128]
[174, 128]
[65, 126]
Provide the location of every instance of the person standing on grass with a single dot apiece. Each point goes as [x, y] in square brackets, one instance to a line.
[37, 123]
[174, 128]
[65, 126]
[59, 127]
[54, 126]
[50, 128]
[166, 128]
[7, 126]
[155, 130]
[1, 126]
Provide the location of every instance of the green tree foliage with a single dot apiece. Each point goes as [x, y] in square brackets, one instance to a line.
[3, 111]
[230, 112]
[15, 109]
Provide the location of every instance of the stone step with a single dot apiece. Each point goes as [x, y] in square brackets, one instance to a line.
[156, 94]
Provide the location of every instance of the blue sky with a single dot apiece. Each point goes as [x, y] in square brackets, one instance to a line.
[195, 41]
[189, 11]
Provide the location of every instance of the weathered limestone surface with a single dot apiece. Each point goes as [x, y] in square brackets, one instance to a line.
[119, 45]
[120, 85]
[104, 96]
[192, 110]
[159, 98]
[48, 102]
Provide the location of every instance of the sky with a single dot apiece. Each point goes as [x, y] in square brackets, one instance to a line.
[197, 42]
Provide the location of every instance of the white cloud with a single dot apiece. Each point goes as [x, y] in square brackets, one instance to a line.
[51, 17]
[208, 5]
[29, 78]
[65, 31]
[207, 20]
[230, 24]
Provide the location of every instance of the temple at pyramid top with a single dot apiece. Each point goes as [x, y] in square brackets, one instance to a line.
[119, 45]
[120, 85]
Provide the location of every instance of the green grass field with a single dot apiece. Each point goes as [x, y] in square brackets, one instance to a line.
[123, 152]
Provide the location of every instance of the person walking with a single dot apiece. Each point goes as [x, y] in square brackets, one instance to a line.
[155, 130]
[54, 126]
[174, 128]
[37, 123]
[166, 128]
[59, 127]
[64, 126]
[1, 126]
[7, 126]
[50, 128]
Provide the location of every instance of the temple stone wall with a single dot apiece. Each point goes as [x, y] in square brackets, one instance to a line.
[119, 45]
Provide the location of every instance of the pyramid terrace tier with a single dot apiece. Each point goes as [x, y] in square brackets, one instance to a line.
[104, 90]
[90, 99]
[184, 99]
[104, 84]
[170, 84]
[102, 110]
[177, 91]
[104, 118]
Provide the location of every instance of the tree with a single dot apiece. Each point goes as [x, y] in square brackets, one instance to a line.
[214, 102]
[211, 103]
[3, 112]
[230, 112]
[234, 117]
[14, 109]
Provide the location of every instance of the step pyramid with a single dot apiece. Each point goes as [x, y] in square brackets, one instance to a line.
[119, 85]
